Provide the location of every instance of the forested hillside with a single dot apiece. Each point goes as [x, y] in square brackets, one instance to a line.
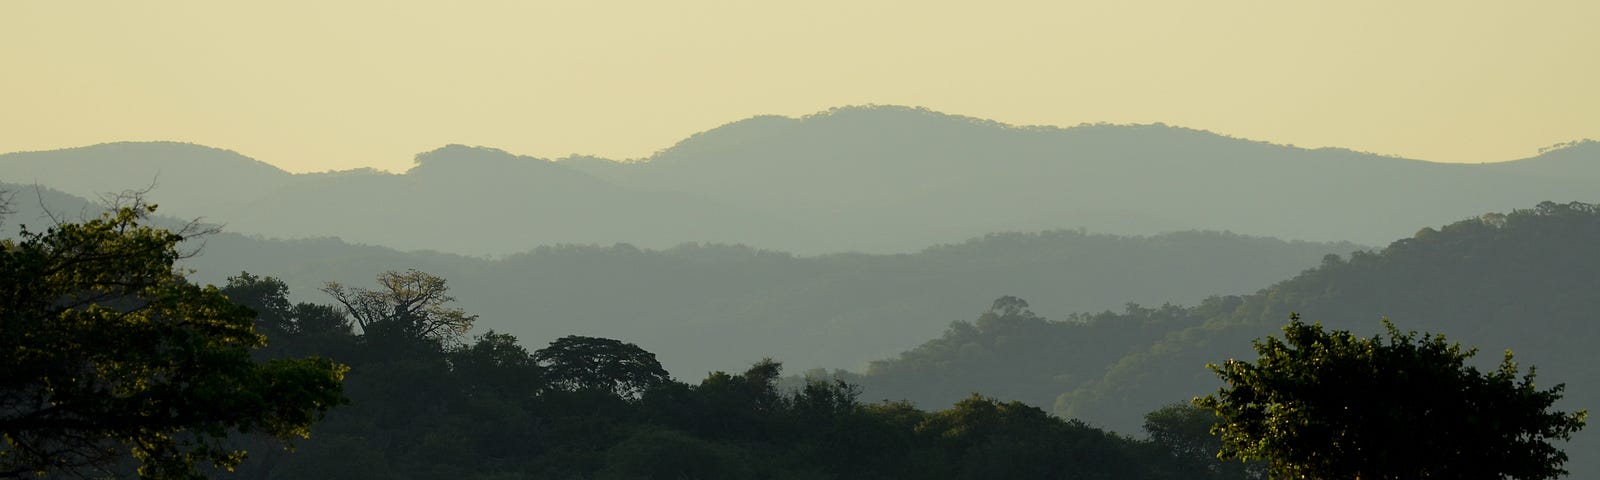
[858, 179]
[1523, 281]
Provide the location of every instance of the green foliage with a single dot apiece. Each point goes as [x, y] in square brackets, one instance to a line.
[1185, 429]
[1330, 405]
[111, 355]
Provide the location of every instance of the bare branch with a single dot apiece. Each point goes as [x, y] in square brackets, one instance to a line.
[5, 205]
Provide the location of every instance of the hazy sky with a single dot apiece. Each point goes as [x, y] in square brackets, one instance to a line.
[317, 85]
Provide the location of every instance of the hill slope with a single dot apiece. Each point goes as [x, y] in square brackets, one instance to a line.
[1523, 281]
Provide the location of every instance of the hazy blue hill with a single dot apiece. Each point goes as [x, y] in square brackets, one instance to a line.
[865, 179]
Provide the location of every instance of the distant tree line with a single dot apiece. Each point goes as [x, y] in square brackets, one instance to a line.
[426, 404]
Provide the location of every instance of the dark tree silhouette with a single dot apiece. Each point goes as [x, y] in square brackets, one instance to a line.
[408, 305]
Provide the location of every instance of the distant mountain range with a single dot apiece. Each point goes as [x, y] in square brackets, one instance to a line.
[862, 179]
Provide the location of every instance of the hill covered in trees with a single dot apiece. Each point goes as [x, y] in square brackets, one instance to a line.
[1523, 281]
[858, 179]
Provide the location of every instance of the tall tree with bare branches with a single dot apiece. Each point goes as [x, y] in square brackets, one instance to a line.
[409, 305]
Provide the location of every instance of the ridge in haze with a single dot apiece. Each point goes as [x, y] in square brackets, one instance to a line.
[836, 310]
[877, 179]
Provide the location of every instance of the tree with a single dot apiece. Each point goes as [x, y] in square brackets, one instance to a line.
[602, 364]
[409, 305]
[268, 297]
[109, 355]
[1329, 405]
[1183, 431]
[292, 330]
[980, 437]
[495, 362]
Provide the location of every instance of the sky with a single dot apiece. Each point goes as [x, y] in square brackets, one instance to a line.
[320, 85]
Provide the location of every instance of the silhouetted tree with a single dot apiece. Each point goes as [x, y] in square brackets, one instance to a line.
[601, 364]
[408, 305]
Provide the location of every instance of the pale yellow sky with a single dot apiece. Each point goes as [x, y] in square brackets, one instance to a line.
[318, 85]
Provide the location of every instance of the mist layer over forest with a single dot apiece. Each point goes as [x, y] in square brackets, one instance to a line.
[902, 259]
